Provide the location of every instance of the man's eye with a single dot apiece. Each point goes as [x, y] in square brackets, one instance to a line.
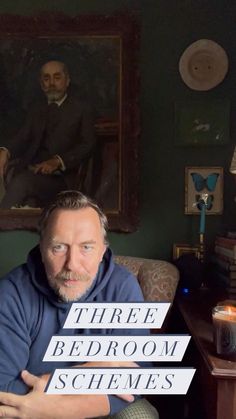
[87, 247]
[59, 248]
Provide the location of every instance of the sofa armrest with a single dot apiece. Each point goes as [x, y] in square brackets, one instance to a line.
[158, 280]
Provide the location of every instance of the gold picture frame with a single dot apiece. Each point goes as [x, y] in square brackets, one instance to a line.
[180, 249]
[204, 183]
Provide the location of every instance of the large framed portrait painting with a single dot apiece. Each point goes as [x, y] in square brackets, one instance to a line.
[101, 55]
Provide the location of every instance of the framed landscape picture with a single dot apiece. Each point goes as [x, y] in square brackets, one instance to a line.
[202, 123]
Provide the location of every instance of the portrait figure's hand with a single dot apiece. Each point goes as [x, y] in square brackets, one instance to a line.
[46, 167]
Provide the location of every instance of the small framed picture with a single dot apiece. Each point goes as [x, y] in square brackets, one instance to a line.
[180, 249]
[204, 184]
[202, 123]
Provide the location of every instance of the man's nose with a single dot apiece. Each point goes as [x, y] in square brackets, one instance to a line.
[73, 259]
[51, 81]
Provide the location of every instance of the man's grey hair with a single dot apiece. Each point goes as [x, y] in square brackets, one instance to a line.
[72, 200]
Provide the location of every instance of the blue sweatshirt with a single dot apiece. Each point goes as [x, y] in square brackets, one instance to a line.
[30, 314]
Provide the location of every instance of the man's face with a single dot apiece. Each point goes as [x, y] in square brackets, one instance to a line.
[72, 248]
[54, 81]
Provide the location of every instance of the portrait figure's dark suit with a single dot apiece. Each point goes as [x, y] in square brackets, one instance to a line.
[66, 131]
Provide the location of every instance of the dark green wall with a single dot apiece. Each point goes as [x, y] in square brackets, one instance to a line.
[168, 27]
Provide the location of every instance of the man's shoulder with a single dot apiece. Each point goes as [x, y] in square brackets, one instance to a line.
[122, 274]
[117, 271]
[18, 279]
[124, 284]
[73, 101]
[122, 270]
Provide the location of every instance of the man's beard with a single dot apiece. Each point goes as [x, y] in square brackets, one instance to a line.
[53, 95]
[65, 291]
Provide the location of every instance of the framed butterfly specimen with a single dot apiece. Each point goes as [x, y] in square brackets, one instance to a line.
[204, 184]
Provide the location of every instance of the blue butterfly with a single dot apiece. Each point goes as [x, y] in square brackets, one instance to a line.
[209, 182]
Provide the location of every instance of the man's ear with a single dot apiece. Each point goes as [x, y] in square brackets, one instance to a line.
[41, 250]
[103, 251]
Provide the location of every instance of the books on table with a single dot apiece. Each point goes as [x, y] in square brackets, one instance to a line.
[225, 248]
[223, 264]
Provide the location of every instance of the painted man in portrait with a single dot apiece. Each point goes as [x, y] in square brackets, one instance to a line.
[56, 138]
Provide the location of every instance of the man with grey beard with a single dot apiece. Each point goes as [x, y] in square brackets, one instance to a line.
[72, 263]
[57, 136]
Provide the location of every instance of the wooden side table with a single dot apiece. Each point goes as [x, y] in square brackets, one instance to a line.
[217, 376]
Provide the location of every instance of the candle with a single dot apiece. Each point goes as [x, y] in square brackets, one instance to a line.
[203, 218]
[224, 324]
[204, 203]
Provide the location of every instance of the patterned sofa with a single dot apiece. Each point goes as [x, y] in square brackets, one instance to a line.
[157, 278]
